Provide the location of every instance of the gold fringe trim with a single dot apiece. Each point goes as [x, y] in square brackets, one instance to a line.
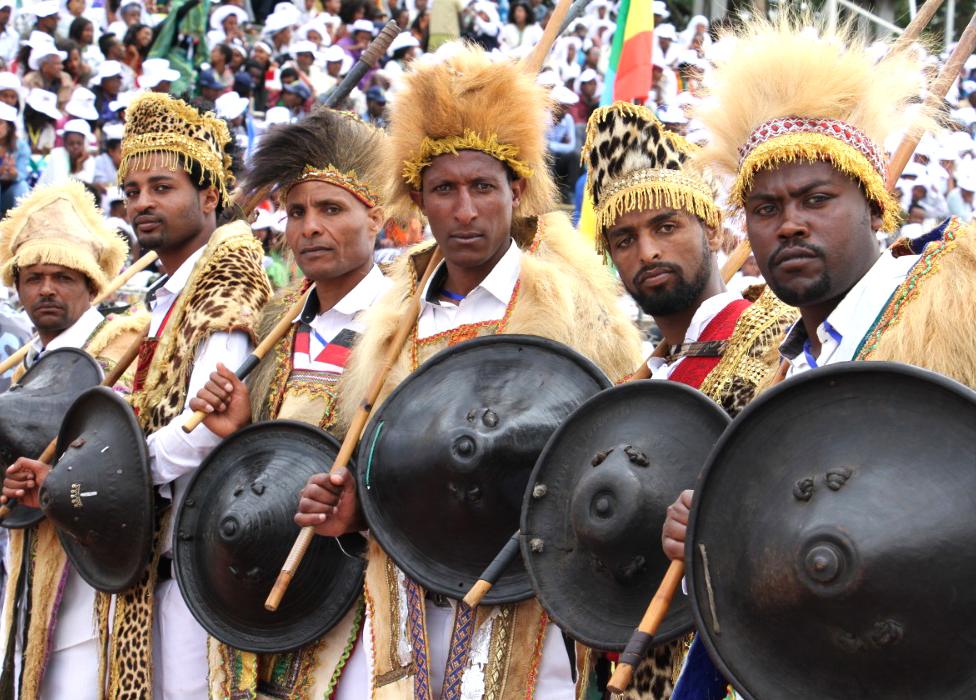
[178, 152]
[661, 194]
[470, 141]
[51, 253]
[793, 148]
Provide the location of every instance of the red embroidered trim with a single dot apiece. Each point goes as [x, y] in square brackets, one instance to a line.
[693, 370]
[834, 128]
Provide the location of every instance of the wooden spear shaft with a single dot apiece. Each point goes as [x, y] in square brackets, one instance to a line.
[356, 427]
[116, 284]
[131, 353]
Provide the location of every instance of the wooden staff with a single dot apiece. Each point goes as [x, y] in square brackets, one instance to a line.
[110, 379]
[533, 62]
[510, 552]
[252, 360]
[937, 93]
[656, 611]
[116, 284]
[356, 427]
[915, 27]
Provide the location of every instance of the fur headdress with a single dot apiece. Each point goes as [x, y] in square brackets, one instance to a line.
[60, 225]
[637, 164]
[156, 123]
[788, 91]
[461, 99]
[329, 146]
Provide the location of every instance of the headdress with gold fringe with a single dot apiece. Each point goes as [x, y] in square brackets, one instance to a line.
[460, 98]
[791, 90]
[636, 164]
[60, 225]
[156, 123]
[329, 146]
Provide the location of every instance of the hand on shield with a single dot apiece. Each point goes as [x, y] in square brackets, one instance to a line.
[675, 527]
[328, 504]
[23, 481]
[226, 402]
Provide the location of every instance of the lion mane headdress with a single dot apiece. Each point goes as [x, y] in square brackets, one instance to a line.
[789, 90]
[460, 98]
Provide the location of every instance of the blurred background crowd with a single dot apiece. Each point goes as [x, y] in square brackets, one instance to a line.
[69, 68]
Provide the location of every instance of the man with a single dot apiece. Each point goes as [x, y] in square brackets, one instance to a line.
[47, 70]
[107, 162]
[72, 160]
[480, 178]
[657, 217]
[58, 252]
[376, 107]
[326, 172]
[9, 39]
[294, 97]
[175, 180]
[809, 175]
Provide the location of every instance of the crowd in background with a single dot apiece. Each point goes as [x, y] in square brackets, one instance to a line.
[68, 69]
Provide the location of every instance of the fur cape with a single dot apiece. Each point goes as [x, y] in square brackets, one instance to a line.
[566, 294]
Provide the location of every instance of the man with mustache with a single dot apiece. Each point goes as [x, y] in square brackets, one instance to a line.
[58, 252]
[511, 265]
[657, 218]
[175, 175]
[326, 177]
[809, 174]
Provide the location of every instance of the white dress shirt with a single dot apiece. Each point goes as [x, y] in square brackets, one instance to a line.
[486, 302]
[843, 330]
[75, 336]
[345, 315]
[709, 309]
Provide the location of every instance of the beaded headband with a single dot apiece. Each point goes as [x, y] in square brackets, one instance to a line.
[348, 181]
[470, 141]
[793, 139]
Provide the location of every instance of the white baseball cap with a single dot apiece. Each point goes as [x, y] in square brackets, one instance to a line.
[155, 71]
[8, 113]
[564, 96]
[277, 21]
[303, 46]
[277, 115]
[225, 11]
[42, 51]
[665, 31]
[123, 100]
[107, 69]
[362, 25]
[78, 126]
[966, 180]
[44, 8]
[9, 81]
[114, 131]
[230, 105]
[403, 40]
[661, 9]
[82, 104]
[44, 102]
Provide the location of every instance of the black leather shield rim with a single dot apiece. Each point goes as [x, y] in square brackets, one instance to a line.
[884, 411]
[21, 516]
[585, 604]
[514, 585]
[317, 598]
[122, 562]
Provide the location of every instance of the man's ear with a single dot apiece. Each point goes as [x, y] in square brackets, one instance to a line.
[714, 236]
[418, 199]
[377, 217]
[518, 190]
[209, 198]
[877, 221]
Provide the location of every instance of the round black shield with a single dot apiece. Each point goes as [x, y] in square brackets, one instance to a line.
[235, 527]
[599, 495]
[444, 462]
[830, 543]
[99, 492]
[31, 411]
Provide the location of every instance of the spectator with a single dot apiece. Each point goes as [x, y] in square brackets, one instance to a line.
[587, 89]
[82, 32]
[40, 115]
[106, 85]
[10, 90]
[14, 160]
[522, 28]
[220, 58]
[376, 107]
[562, 142]
[73, 159]
[294, 97]
[47, 72]
[9, 39]
[107, 162]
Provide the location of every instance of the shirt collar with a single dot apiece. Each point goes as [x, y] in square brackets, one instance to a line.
[500, 282]
[357, 299]
[77, 335]
[707, 311]
[175, 282]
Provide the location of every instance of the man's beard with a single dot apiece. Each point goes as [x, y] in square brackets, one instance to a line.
[682, 296]
[815, 292]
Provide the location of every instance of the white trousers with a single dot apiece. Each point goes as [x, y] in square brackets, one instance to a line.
[179, 648]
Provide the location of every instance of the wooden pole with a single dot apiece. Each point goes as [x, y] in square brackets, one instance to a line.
[915, 27]
[533, 62]
[116, 284]
[131, 353]
[356, 427]
[252, 360]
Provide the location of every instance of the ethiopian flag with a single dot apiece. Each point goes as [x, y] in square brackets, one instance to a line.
[628, 77]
